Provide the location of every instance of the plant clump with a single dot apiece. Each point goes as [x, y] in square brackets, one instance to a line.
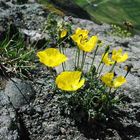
[91, 95]
[120, 31]
[16, 56]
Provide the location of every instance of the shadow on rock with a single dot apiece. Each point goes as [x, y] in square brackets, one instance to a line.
[120, 125]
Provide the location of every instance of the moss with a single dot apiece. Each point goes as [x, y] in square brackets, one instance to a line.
[51, 8]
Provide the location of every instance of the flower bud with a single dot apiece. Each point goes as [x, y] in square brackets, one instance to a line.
[107, 49]
[128, 67]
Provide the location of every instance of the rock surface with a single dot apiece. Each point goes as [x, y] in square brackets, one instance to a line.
[8, 122]
[27, 16]
[19, 92]
[42, 120]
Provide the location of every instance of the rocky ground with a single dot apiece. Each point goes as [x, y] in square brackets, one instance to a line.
[30, 110]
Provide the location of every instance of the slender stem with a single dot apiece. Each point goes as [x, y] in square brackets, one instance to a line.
[126, 74]
[63, 51]
[76, 55]
[113, 66]
[62, 41]
[78, 58]
[99, 66]
[83, 60]
[94, 57]
[51, 72]
[101, 69]
[101, 62]
[63, 67]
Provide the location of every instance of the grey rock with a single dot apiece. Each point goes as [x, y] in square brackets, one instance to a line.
[38, 109]
[51, 128]
[32, 1]
[19, 92]
[27, 16]
[30, 19]
[3, 99]
[8, 124]
[112, 135]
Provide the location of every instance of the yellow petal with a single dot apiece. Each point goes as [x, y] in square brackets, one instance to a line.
[120, 80]
[63, 33]
[69, 80]
[76, 38]
[51, 57]
[82, 32]
[107, 60]
[80, 84]
[120, 51]
[123, 58]
[89, 45]
[79, 35]
[118, 56]
[108, 78]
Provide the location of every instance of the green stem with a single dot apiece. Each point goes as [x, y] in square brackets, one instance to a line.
[113, 66]
[126, 74]
[101, 62]
[115, 91]
[94, 57]
[62, 41]
[78, 59]
[106, 50]
[76, 55]
[63, 66]
[51, 72]
[99, 66]
[101, 69]
[83, 60]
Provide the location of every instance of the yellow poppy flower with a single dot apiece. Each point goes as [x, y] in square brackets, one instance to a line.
[107, 60]
[107, 79]
[118, 56]
[88, 45]
[70, 80]
[81, 38]
[120, 80]
[111, 81]
[51, 57]
[81, 31]
[63, 33]
[79, 34]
